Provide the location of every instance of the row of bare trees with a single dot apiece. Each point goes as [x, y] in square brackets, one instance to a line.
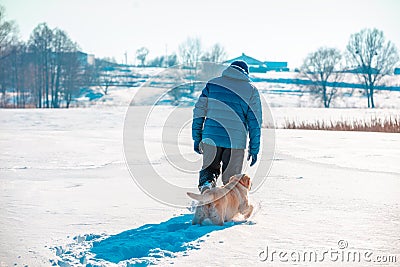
[55, 62]
[368, 55]
[159, 61]
[47, 71]
[190, 53]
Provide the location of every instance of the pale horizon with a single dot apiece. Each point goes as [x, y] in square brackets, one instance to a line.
[266, 30]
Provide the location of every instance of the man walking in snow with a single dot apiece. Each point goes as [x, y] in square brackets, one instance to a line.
[227, 110]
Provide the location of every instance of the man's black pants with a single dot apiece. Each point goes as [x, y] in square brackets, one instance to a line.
[213, 156]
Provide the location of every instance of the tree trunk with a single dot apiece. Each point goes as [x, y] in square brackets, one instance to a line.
[38, 84]
[68, 99]
[52, 87]
[46, 76]
[324, 97]
[371, 93]
[57, 87]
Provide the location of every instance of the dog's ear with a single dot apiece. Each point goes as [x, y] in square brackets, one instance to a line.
[246, 181]
[234, 179]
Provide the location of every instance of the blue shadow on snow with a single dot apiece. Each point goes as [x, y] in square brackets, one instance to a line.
[167, 237]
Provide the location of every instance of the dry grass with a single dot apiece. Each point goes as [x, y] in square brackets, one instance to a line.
[12, 106]
[387, 125]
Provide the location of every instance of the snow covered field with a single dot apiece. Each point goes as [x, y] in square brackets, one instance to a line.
[67, 197]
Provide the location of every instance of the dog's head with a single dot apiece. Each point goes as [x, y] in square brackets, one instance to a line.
[242, 179]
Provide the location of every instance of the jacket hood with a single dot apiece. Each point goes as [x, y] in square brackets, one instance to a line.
[235, 74]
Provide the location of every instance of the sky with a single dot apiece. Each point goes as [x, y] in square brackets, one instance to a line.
[280, 30]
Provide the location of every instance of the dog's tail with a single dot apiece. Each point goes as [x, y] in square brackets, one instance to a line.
[202, 198]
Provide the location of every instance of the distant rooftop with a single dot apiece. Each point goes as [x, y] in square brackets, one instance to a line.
[276, 64]
[249, 60]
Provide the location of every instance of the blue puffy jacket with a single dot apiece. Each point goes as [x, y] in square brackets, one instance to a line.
[227, 110]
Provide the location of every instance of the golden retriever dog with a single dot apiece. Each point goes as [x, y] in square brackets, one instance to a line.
[222, 204]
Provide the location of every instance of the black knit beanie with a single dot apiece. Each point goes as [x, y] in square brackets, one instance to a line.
[240, 65]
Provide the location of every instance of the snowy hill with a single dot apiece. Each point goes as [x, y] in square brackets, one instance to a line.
[281, 89]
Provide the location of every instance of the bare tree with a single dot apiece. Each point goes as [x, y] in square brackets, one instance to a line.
[8, 31]
[59, 46]
[157, 62]
[216, 54]
[323, 69]
[171, 60]
[41, 44]
[73, 76]
[18, 74]
[8, 36]
[90, 74]
[375, 57]
[141, 54]
[106, 79]
[104, 75]
[64, 55]
[190, 52]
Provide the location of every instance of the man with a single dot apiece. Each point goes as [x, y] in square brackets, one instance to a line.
[227, 110]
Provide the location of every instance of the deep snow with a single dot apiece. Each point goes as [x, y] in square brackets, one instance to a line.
[68, 198]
